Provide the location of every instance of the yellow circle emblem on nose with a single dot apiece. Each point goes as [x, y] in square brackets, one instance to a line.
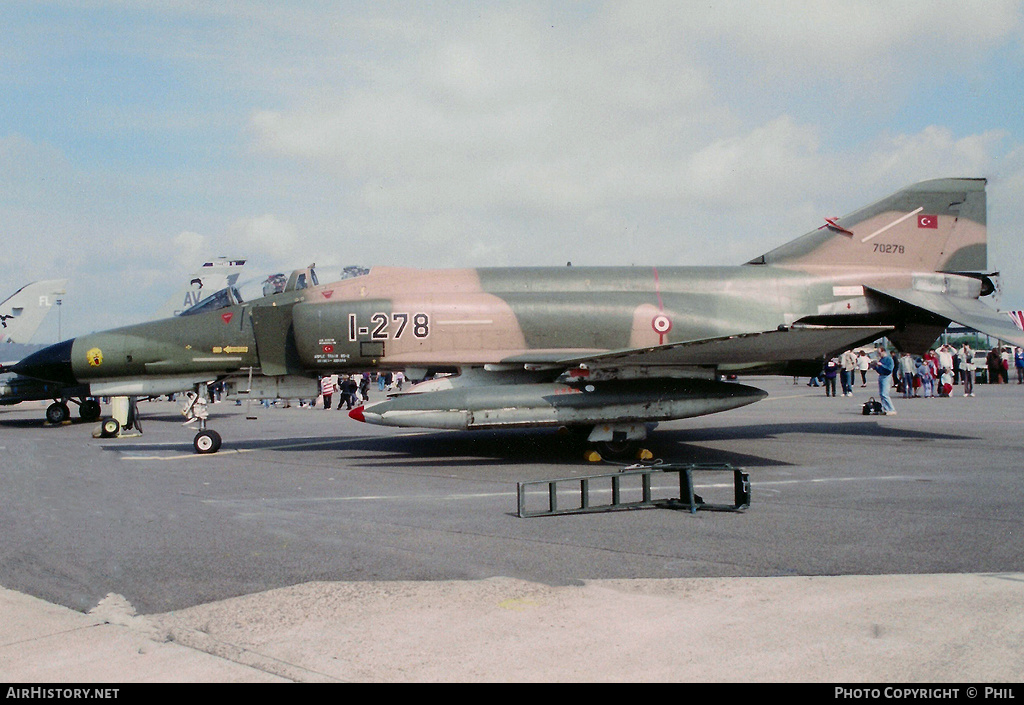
[95, 357]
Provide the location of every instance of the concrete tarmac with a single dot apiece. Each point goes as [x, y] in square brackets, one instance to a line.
[316, 549]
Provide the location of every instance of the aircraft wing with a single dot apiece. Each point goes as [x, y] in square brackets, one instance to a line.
[795, 343]
[965, 311]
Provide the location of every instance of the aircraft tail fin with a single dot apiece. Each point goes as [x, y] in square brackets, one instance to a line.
[937, 225]
[24, 311]
[210, 278]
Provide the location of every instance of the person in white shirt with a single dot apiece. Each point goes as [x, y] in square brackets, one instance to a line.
[966, 356]
[863, 364]
[848, 360]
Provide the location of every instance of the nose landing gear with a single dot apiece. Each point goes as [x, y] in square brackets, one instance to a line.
[207, 440]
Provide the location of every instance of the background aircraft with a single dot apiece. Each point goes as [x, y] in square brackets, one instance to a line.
[609, 350]
[23, 312]
[20, 318]
[211, 277]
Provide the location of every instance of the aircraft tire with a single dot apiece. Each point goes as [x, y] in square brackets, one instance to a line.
[90, 410]
[619, 450]
[57, 413]
[110, 428]
[207, 442]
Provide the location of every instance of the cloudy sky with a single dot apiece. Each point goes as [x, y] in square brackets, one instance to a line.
[139, 138]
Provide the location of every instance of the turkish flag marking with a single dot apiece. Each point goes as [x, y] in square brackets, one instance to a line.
[226, 317]
[928, 221]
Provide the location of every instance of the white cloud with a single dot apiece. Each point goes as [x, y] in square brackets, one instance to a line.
[765, 164]
[189, 249]
[621, 104]
[931, 153]
[864, 43]
[266, 237]
[502, 112]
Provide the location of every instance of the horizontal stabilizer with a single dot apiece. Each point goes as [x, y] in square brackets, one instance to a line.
[967, 312]
[797, 343]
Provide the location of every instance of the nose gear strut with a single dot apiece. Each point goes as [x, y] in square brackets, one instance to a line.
[207, 440]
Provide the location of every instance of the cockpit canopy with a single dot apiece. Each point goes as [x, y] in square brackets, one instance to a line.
[228, 296]
[255, 289]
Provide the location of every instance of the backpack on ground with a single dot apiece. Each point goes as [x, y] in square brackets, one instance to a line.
[872, 407]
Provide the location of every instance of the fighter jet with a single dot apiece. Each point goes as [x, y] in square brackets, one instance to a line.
[607, 350]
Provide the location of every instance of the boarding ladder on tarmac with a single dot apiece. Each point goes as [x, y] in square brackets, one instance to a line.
[634, 487]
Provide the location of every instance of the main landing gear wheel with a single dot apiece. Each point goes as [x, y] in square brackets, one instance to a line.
[206, 441]
[89, 410]
[617, 449]
[617, 452]
[57, 413]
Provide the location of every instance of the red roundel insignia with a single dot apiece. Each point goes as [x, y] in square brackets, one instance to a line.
[328, 349]
[662, 324]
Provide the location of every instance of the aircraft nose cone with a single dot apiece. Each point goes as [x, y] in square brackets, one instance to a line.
[52, 364]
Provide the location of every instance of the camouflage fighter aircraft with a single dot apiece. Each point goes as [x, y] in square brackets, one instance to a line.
[610, 350]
